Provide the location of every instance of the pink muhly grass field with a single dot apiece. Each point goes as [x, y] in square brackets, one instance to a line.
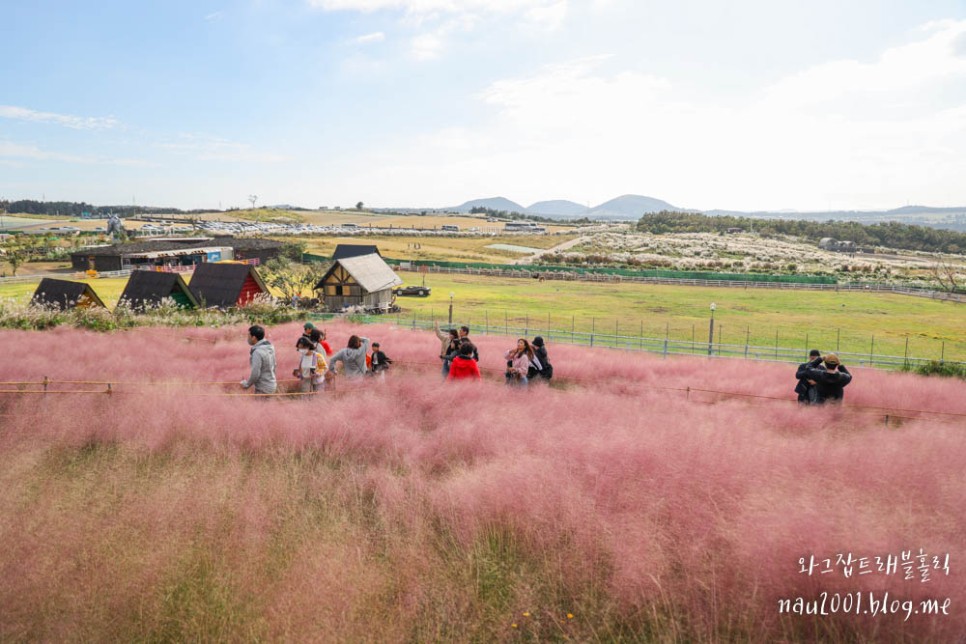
[409, 508]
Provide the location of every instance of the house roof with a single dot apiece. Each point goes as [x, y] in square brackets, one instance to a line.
[343, 251]
[146, 288]
[370, 271]
[163, 245]
[63, 294]
[220, 285]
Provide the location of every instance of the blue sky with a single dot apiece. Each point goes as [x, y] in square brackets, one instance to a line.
[750, 104]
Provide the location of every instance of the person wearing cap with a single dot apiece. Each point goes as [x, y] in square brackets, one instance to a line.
[830, 379]
[804, 384]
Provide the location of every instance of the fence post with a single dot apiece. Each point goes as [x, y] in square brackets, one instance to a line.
[486, 322]
[905, 357]
[593, 330]
[942, 355]
[871, 351]
[110, 389]
[414, 319]
[526, 328]
[506, 322]
[573, 325]
[747, 339]
[776, 344]
[46, 382]
[838, 337]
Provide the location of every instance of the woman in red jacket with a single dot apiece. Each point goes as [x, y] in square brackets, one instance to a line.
[464, 366]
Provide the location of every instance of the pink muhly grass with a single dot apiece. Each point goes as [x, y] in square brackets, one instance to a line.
[689, 508]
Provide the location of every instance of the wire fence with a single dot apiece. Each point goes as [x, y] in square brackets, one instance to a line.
[708, 345]
[48, 386]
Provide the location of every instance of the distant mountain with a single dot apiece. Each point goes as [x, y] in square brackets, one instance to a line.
[558, 208]
[493, 203]
[629, 207]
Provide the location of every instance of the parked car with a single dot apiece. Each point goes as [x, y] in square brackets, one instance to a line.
[415, 291]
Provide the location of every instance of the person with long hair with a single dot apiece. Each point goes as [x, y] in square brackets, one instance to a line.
[518, 363]
[449, 346]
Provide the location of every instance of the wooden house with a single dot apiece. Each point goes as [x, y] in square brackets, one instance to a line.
[342, 251]
[226, 285]
[365, 281]
[64, 294]
[147, 289]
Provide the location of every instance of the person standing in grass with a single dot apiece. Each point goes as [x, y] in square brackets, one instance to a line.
[261, 357]
[464, 367]
[353, 358]
[380, 361]
[465, 337]
[318, 337]
[449, 346]
[518, 363]
[829, 380]
[308, 366]
[804, 384]
[541, 363]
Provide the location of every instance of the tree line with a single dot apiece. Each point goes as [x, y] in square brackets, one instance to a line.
[519, 216]
[889, 234]
[76, 209]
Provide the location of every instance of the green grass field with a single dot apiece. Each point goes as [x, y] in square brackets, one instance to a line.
[845, 321]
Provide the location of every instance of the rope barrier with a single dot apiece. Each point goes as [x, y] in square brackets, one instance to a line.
[895, 413]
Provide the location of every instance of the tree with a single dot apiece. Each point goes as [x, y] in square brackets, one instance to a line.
[16, 258]
[253, 199]
[359, 206]
[947, 277]
[292, 279]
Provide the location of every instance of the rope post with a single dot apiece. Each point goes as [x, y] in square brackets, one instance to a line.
[887, 420]
[689, 393]
[46, 382]
[110, 389]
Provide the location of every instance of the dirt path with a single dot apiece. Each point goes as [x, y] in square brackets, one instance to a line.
[564, 246]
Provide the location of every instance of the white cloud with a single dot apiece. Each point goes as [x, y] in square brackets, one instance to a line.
[426, 46]
[65, 120]
[10, 150]
[434, 6]
[843, 134]
[209, 148]
[374, 37]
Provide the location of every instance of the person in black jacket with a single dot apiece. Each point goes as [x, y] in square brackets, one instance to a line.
[545, 370]
[804, 384]
[380, 361]
[830, 380]
[464, 332]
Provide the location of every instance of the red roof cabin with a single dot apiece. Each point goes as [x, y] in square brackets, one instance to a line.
[226, 285]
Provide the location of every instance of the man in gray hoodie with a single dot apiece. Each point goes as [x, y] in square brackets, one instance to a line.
[262, 358]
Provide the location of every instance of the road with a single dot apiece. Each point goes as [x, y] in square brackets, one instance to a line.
[559, 247]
